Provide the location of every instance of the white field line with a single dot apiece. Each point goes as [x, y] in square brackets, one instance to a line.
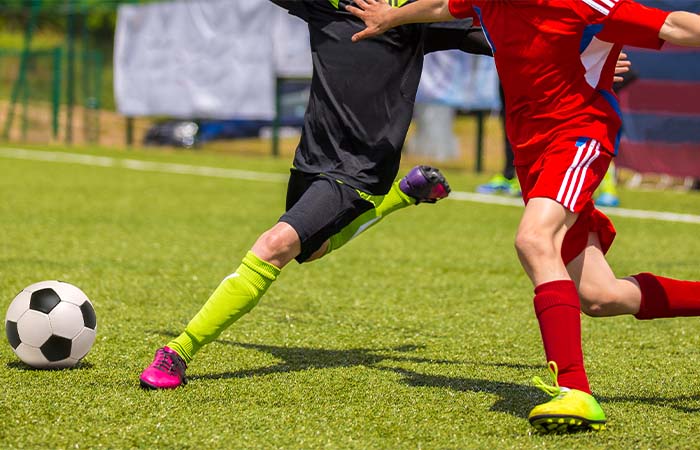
[144, 166]
[216, 172]
[619, 212]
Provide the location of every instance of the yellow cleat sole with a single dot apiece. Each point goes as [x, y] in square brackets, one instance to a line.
[559, 424]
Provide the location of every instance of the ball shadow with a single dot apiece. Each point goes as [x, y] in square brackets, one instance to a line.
[19, 365]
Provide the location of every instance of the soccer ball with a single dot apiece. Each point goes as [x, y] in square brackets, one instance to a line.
[51, 325]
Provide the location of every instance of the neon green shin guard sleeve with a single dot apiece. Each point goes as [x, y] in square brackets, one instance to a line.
[236, 295]
[384, 205]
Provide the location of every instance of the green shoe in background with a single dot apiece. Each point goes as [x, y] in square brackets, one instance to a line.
[496, 185]
[606, 195]
[514, 187]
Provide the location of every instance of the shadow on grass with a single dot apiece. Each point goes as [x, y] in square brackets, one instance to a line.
[514, 399]
[677, 403]
[518, 366]
[295, 359]
[18, 365]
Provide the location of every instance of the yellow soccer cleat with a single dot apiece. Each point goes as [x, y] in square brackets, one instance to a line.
[569, 411]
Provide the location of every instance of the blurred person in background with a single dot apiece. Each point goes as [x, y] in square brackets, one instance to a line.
[606, 194]
[505, 182]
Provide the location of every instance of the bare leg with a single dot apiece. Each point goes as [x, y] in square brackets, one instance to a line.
[278, 245]
[557, 306]
[601, 293]
[539, 240]
[645, 295]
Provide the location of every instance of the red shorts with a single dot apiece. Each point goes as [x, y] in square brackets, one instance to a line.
[569, 171]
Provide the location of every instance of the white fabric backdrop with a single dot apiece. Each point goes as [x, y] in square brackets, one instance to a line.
[205, 59]
[460, 80]
[219, 59]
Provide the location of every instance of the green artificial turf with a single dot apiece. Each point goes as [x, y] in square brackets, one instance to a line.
[419, 334]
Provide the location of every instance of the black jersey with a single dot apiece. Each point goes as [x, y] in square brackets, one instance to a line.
[362, 94]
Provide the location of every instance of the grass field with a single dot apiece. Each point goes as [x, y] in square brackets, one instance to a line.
[420, 334]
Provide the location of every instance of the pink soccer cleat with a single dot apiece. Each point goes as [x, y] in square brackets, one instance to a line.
[167, 371]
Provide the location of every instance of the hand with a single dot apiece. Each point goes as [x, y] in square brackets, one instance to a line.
[375, 15]
[623, 66]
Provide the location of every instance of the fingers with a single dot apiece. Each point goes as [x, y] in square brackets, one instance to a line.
[372, 13]
[621, 69]
[361, 8]
[364, 34]
[623, 66]
[623, 62]
[361, 4]
[357, 12]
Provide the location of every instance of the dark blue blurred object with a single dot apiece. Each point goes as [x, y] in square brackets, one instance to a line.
[293, 97]
[177, 133]
[210, 130]
[189, 134]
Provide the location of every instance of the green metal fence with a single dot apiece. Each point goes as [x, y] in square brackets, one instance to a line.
[30, 84]
[51, 94]
[33, 95]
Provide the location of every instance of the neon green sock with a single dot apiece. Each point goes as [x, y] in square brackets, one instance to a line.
[234, 298]
[384, 205]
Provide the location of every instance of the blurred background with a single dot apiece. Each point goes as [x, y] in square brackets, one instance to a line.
[233, 76]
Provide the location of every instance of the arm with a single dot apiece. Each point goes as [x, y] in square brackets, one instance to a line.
[379, 17]
[681, 28]
[468, 40]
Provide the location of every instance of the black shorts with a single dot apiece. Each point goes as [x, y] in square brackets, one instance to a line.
[318, 207]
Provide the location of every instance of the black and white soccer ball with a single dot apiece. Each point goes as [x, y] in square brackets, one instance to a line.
[51, 325]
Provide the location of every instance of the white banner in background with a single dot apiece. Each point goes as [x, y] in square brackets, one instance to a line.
[460, 80]
[218, 59]
[206, 59]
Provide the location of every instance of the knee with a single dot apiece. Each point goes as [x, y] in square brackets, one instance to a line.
[278, 245]
[271, 242]
[531, 243]
[597, 299]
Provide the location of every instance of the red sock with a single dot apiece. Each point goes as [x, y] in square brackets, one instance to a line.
[665, 297]
[559, 313]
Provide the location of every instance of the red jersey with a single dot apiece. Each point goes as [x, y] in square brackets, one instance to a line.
[556, 60]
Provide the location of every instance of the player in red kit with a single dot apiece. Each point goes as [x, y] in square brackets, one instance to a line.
[556, 60]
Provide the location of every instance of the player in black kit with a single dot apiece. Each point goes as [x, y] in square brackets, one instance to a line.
[342, 180]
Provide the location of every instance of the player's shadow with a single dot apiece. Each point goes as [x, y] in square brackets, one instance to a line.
[513, 398]
[296, 359]
[677, 403]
